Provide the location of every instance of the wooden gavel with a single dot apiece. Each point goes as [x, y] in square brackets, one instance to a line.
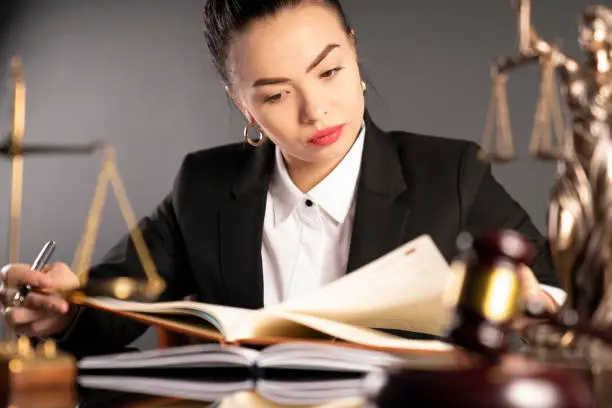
[489, 299]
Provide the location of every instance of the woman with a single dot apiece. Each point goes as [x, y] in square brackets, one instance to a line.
[317, 191]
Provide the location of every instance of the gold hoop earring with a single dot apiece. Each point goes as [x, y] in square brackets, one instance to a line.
[250, 141]
[364, 86]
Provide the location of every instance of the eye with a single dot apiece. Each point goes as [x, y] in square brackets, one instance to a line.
[273, 98]
[330, 73]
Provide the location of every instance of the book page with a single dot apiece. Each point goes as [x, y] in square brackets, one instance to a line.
[283, 326]
[222, 318]
[199, 355]
[326, 357]
[405, 289]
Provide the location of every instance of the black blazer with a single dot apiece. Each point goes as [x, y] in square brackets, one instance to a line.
[205, 237]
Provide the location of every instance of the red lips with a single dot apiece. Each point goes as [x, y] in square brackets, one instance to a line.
[325, 137]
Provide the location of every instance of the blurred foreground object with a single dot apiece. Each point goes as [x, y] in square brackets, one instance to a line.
[490, 375]
[489, 298]
[36, 377]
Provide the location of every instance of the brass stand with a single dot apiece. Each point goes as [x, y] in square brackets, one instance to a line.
[17, 172]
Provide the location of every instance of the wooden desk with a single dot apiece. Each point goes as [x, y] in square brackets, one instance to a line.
[112, 399]
[450, 384]
[428, 387]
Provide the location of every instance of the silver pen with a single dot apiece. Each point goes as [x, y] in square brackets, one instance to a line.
[41, 260]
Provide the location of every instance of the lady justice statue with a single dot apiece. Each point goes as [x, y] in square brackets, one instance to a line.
[580, 211]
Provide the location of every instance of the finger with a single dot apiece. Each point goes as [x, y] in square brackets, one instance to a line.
[27, 330]
[38, 328]
[21, 274]
[62, 276]
[44, 327]
[8, 297]
[45, 269]
[531, 290]
[23, 330]
[530, 287]
[18, 316]
[47, 303]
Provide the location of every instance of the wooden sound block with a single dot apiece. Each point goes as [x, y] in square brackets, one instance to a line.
[514, 382]
[26, 371]
[596, 361]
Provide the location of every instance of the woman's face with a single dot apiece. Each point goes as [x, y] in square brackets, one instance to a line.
[296, 75]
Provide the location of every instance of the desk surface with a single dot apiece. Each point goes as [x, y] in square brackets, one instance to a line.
[498, 385]
[88, 398]
[238, 400]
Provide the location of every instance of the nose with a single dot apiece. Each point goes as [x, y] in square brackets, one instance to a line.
[313, 107]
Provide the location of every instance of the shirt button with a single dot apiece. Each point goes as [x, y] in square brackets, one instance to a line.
[308, 203]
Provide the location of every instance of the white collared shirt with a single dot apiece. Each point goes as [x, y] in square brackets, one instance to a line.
[306, 236]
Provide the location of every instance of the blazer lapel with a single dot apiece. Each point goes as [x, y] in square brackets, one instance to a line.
[240, 231]
[382, 203]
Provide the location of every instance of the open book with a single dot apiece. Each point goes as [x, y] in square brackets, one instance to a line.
[287, 373]
[406, 289]
[293, 356]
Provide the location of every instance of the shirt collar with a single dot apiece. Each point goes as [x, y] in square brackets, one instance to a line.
[334, 194]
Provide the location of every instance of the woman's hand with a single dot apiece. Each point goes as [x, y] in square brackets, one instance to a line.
[41, 314]
[532, 290]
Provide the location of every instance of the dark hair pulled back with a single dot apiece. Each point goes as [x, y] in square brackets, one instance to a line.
[223, 19]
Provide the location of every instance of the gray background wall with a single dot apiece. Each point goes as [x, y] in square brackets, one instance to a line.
[136, 73]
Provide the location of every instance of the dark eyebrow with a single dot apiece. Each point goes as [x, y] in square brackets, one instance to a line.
[321, 56]
[313, 65]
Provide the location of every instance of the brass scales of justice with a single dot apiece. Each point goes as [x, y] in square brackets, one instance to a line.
[26, 370]
[16, 150]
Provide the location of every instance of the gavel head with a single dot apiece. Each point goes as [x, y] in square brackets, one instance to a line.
[489, 297]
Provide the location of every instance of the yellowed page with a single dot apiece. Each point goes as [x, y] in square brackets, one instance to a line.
[283, 324]
[222, 317]
[405, 289]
